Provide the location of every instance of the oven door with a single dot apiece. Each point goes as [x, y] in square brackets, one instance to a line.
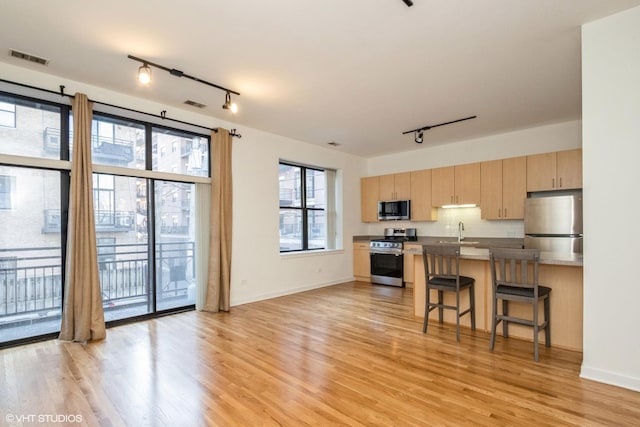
[387, 268]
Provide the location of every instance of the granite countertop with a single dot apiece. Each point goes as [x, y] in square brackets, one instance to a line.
[482, 254]
[478, 248]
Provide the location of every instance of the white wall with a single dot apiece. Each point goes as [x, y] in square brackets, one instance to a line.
[258, 269]
[541, 139]
[611, 132]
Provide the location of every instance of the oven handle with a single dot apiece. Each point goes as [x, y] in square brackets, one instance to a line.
[396, 253]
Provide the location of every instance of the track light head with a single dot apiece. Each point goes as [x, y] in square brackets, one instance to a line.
[228, 105]
[144, 74]
[419, 137]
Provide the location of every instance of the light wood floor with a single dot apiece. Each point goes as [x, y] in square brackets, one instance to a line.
[351, 354]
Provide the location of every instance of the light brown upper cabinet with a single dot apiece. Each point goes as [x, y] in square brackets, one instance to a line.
[561, 170]
[503, 188]
[421, 206]
[369, 188]
[456, 185]
[396, 186]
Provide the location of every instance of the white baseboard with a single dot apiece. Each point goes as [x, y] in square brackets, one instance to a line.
[608, 377]
[283, 292]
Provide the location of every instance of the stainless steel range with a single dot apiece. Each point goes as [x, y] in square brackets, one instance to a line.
[387, 260]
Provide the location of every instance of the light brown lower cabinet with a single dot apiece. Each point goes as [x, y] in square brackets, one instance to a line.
[361, 262]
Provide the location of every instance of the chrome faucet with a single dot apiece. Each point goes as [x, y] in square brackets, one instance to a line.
[460, 228]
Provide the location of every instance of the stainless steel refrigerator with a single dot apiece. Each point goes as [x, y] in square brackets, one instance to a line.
[554, 224]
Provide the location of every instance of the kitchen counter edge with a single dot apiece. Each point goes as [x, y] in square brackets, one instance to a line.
[480, 251]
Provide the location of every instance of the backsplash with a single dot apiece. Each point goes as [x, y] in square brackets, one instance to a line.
[447, 225]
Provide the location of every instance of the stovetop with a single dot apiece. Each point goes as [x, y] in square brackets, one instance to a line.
[397, 239]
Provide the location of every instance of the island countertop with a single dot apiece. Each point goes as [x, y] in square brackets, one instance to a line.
[478, 248]
[482, 254]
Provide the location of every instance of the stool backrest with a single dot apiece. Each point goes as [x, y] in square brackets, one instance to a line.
[441, 260]
[517, 268]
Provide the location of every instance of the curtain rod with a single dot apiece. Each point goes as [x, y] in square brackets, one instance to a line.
[162, 115]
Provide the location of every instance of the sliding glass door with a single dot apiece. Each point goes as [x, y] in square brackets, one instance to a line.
[144, 204]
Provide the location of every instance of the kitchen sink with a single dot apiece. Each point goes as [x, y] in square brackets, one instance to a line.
[455, 242]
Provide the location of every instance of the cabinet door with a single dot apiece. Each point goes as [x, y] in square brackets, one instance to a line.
[541, 172]
[387, 187]
[421, 208]
[569, 169]
[402, 185]
[442, 186]
[467, 184]
[361, 261]
[369, 199]
[491, 190]
[514, 187]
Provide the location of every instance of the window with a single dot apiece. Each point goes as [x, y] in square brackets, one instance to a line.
[7, 190]
[30, 256]
[104, 200]
[7, 114]
[137, 278]
[303, 208]
[117, 142]
[189, 152]
[36, 134]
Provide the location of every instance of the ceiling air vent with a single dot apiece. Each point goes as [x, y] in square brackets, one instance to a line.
[27, 57]
[194, 103]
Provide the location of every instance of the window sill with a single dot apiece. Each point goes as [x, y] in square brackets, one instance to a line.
[305, 254]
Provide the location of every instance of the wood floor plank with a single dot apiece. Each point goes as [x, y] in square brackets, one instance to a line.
[350, 354]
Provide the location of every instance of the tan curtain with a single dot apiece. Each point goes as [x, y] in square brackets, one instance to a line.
[219, 280]
[82, 314]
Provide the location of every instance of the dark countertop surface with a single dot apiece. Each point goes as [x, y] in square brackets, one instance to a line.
[476, 242]
[478, 248]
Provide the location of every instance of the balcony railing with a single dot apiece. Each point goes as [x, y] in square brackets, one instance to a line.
[174, 229]
[31, 278]
[112, 151]
[105, 220]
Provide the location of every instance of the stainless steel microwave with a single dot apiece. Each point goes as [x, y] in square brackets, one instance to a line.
[394, 210]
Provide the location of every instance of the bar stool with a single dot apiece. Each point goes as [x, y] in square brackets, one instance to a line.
[442, 273]
[514, 276]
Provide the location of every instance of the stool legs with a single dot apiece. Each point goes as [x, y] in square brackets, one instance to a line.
[547, 312]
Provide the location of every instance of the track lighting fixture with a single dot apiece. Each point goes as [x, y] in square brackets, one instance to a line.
[228, 105]
[419, 132]
[144, 77]
[144, 74]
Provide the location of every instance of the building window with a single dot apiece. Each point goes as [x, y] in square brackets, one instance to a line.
[104, 200]
[174, 147]
[7, 189]
[7, 114]
[303, 208]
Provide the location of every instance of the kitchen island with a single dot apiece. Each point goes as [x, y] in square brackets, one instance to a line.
[563, 274]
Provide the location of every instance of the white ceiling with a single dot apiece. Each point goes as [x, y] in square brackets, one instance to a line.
[357, 72]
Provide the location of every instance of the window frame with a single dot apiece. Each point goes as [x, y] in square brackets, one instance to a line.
[303, 208]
